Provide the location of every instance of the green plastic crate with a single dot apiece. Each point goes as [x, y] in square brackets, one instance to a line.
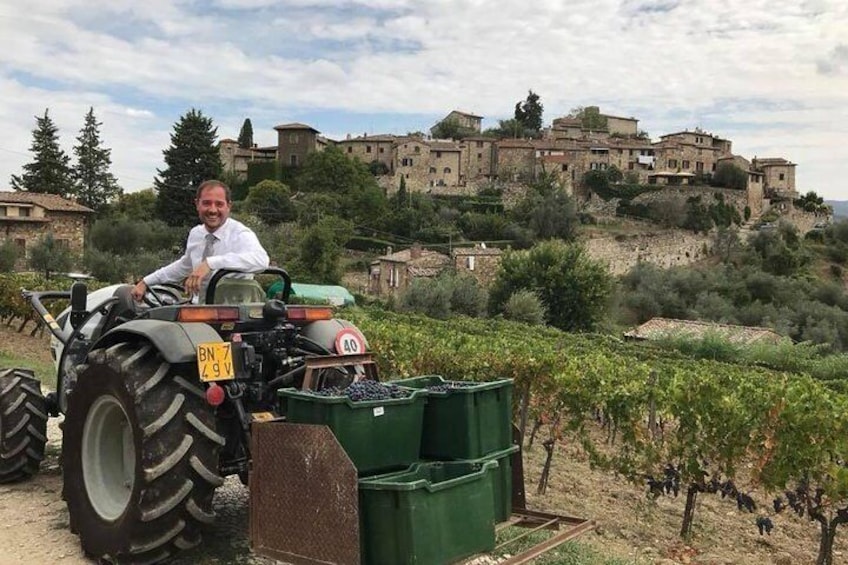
[431, 514]
[377, 435]
[465, 423]
[501, 481]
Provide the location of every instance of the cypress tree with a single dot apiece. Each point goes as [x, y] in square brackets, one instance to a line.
[191, 159]
[95, 183]
[49, 172]
[245, 138]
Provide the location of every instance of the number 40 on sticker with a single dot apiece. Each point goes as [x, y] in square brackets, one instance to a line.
[349, 342]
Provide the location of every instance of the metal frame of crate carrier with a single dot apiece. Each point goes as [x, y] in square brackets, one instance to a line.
[313, 516]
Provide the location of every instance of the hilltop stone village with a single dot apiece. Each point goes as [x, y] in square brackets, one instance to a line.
[676, 162]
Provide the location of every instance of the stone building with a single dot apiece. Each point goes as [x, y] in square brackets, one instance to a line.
[235, 159]
[370, 148]
[480, 262]
[28, 216]
[412, 162]
[478, 157]
[516, 159]
[694, 152]
[464, 119]
[778, 177]
[295, 142]
[445, 164]
[393, 272]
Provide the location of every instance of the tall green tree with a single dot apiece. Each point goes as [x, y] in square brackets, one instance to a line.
[95, 183]
[451, 129]
[270, 201]
[191, 159]
[349, 182]
[245, 138]
[321, 248]
[574, 288]
[49, 172]
[529, 112]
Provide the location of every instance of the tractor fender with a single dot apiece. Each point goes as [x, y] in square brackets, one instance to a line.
[176, 341]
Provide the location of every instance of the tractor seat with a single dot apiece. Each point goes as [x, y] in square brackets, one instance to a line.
[238, 291]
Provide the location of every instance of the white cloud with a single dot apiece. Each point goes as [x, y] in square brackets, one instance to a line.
[736, 64]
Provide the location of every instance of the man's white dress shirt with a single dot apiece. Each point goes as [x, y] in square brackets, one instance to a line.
[236, 247]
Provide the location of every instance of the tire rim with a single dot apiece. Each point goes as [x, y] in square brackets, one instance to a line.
[108, 458]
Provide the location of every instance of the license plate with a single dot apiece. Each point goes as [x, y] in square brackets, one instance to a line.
[215, 361]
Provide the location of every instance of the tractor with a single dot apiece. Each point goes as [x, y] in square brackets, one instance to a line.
[158, 399]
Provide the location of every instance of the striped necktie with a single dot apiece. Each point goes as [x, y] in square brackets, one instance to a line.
[210, 242]
[207, 251]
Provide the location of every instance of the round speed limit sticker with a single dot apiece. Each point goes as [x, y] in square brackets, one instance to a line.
[349, 342]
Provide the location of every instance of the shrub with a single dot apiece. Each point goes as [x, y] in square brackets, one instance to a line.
[8, 256]
[426, 296]
[525, 306]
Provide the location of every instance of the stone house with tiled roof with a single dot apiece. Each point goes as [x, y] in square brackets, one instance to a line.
[464, 119]
[480, 262]
[295, 141]
[370, 148]
[662, 328]
[395, 271]
[778, 177]
[236, 159]
[25, 217]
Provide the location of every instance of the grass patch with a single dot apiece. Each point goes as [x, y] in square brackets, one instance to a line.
[44, 372]
[569, 553]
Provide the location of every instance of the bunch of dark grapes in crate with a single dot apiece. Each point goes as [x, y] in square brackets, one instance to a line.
[363, 391]
[449, 385]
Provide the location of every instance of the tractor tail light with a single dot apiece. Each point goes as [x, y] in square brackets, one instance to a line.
[210, 314]
[308, 313]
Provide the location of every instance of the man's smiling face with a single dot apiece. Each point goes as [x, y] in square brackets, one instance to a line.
[213, 208]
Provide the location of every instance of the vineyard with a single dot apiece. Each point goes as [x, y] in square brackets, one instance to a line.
[668, 422]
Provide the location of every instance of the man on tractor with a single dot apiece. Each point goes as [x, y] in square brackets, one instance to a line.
[219, 242]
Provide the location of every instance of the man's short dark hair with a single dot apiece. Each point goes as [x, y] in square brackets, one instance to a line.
[211, 183]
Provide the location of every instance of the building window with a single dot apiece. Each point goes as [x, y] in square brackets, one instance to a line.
[368, 149]
[417, 149]
[447, 170]
[672, 163]
[63, 244]
[564, 167]
[406, 162]
[685, 164]
[630, 152]
[479, 156]
[2, 210]
[631, 165]
[24, 212]
[292, 138]
[349, 149]
[382, 150]
[479, 170]
[620, 151]
[699, 166]
[438, 154]
[294, 160]
[479, 144]
[714, 167]
[470, 262]
[782, 176]
[432, 170]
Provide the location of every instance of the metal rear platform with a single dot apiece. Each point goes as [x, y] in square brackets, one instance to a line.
[304, 502]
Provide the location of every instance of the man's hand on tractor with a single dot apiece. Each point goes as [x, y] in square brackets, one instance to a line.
[138, 291]
[192, 283]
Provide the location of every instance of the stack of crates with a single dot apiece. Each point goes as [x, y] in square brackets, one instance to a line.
[434, 468]
[470, 422]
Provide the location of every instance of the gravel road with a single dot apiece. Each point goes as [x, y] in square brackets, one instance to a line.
[34, 521]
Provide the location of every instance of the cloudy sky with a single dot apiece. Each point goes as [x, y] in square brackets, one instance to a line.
[771, 75]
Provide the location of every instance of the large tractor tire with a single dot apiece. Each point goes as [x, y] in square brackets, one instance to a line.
[140, 455]
[23, 425]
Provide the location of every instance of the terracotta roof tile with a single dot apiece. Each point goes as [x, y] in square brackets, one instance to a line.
[50, 202]
[658, 328]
